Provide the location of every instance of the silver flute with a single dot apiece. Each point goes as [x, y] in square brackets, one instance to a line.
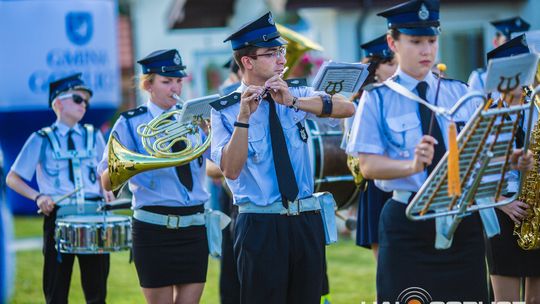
[266, 90]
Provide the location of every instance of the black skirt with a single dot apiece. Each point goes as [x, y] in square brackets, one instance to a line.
[165, 257]
[408, 259]
[504, 255]
[371, 202]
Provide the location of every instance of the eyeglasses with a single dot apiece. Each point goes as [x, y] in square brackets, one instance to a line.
[78, 99]
[281, 52]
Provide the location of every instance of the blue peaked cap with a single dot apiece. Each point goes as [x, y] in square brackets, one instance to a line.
[415, 17]
[166, 63]
[72, 82]
[511, 25]
[378, 47]
[261, 32]
[518, 45]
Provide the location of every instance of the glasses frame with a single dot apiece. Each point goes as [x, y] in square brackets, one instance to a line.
[276, 54]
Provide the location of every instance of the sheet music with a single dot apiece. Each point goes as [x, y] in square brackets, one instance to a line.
[506, 71]
[197, 107]
[340, 77]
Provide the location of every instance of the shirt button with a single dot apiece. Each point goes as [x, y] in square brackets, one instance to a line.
[295, 118]
[249, 137]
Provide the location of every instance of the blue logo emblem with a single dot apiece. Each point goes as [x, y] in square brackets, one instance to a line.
[79, 27]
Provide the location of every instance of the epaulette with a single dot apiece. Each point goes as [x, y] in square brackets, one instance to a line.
[226, 101]
[134, 112]
[450, 79]
[296, 82]
[41, 133]
[372, 86]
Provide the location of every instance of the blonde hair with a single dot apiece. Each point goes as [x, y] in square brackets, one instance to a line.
[146, 79]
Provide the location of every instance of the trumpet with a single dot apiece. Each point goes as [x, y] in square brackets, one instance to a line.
[266, 90]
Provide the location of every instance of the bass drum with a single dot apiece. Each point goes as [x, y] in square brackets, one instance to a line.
[329, 163]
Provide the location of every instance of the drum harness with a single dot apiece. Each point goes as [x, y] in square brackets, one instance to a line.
[76, 157]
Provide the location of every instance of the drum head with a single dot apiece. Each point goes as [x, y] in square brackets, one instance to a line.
[93, 218]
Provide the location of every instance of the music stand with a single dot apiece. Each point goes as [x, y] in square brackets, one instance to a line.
[485, 146]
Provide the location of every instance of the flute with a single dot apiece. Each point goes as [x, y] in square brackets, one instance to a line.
[261, 96]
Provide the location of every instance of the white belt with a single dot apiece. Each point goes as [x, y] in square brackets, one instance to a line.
[168, 220]
[300, 205]
[401, 196]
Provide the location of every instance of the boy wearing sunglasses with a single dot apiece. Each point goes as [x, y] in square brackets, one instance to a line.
[64, 157]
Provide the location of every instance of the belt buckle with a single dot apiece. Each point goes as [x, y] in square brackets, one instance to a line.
[168, 222]
[293, 208]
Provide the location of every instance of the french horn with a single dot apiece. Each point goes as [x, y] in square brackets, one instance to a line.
[157, 137]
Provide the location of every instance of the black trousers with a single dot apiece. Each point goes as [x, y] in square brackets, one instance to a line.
[229, 286]
[280, 258]
[57, 275]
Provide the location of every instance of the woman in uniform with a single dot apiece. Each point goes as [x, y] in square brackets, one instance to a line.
[170, 248]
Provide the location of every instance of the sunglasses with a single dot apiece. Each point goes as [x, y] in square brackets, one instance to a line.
[78, 99]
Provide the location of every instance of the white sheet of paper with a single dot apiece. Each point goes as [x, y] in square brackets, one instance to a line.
[520, 68]
[197, 107]
[340, 77]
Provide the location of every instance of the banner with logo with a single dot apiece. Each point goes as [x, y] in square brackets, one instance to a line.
[46, 40]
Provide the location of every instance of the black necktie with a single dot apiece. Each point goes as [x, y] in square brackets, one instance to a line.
[183, 172]
[425, 117]
[282, 162]
[71, 147]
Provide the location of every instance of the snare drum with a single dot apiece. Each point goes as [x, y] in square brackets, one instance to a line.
[329, 163]
[93, 234]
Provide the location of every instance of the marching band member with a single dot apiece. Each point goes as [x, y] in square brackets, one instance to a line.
[508, 263]
[69, 98]
[170, 248]
[382, 65]
[505, 28]
[390, 137]
[260, 145]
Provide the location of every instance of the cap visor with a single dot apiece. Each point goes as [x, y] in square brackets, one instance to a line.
[272, 43]
[421, 31]
[84, 88]
[177, 74]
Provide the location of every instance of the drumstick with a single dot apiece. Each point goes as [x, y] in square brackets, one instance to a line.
[63, 197]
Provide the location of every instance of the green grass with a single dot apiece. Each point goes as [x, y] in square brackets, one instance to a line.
[351, 272]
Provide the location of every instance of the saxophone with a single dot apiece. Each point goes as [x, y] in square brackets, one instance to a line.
[528, 231]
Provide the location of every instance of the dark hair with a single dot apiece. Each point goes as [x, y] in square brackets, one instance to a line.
[247, 51]
[374, 63]
[394, 33]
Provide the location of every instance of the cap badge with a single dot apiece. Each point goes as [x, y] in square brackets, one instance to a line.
[177, 59]
[423, 13]
[271, 19]
[518, 22]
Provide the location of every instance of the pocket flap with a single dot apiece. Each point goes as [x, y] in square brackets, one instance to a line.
[403, 123]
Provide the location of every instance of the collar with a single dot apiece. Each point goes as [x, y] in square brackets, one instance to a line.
[63, 129]
[410, 83]
[155, 110]
[243, 86]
